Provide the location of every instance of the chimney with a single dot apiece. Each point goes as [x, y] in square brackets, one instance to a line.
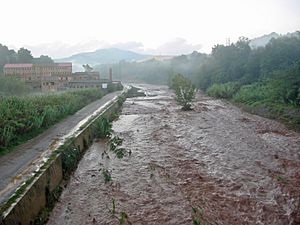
[110, 74]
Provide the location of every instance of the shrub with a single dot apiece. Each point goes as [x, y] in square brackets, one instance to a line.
[103, 127]
[184, 90]
[226, 90]
[256, 92]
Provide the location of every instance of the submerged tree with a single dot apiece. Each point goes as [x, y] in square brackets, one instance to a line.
[185, 91]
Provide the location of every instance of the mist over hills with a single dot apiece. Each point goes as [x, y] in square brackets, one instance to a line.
[265, 39]
[102, 56]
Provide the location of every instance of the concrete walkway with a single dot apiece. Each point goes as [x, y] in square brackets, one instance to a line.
[19, 164]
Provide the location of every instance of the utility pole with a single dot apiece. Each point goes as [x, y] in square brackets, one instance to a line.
[227, 41]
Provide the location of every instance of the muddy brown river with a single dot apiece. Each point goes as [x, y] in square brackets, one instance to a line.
[213, 165]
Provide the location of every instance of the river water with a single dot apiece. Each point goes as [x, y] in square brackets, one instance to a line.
[214, 165]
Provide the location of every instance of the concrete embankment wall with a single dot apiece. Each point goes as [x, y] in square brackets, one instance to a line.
[32, 201]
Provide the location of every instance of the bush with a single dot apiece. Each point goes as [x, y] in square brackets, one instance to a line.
[102, 127]
[226, 90]
[184, 90]
[255, 93]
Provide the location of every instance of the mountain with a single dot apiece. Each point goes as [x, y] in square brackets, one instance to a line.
[101, 56]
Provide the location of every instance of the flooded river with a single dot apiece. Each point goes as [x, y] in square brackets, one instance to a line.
[213, 165]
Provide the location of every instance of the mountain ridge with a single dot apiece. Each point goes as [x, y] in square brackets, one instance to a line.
[101, 56]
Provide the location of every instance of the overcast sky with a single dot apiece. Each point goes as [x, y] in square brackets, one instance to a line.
[60, 28]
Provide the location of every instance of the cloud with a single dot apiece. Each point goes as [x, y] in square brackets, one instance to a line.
[176, 46]
[131, 46]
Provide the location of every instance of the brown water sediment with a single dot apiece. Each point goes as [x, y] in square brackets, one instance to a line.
[213, 164]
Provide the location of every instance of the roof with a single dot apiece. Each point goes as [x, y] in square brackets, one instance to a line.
[67, 64]
[18, 65]
[29, 65]
[87, 81]
[85, 73]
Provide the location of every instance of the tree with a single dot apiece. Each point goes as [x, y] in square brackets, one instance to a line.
[4, 55]
[24, 56]
[87, 68]
[184, 90]
[43, 59]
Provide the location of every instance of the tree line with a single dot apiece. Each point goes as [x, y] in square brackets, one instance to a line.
[23, 55]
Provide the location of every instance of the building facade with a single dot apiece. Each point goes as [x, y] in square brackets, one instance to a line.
[38, 75]
[78, 76]
[56, 76]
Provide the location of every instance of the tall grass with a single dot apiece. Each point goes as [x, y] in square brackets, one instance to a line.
[22, 118]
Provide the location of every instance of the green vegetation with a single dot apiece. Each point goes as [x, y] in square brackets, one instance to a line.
[123, 217]
[10, 86]
[70, 156]
[114, 144]
[102, 127]
[184, 90]
[227, 90]
[106, 175]
[24, 117]
[113, 211]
